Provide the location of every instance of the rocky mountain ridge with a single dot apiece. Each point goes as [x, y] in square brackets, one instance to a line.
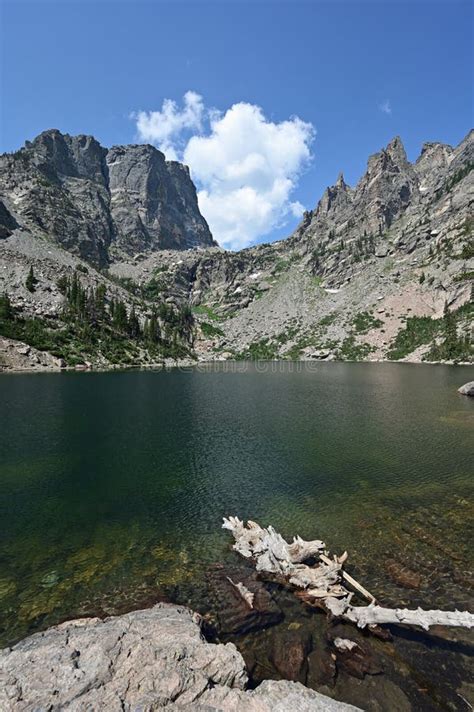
[397, 246]
[379, 270]
[98, 202]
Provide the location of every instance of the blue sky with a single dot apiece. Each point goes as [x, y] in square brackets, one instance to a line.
[356, 72]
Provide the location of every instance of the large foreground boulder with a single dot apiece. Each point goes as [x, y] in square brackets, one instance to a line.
[139, 662]
[467, 389]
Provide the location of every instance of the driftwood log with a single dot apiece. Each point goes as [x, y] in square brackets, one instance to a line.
[323, 584]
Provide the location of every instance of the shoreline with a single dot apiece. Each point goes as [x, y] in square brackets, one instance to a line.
[192, 364]
[19, 357]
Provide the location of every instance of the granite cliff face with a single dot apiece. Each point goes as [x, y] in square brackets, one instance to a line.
[96, 202]
[368, 273]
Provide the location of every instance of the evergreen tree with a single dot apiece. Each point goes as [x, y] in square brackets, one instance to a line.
[91, 314]
[120, 316]
[153, 329]
[63, 284]
[164, 312]
[133, 324]
[100, 297]
[73, 292]
[31, 280]
[450, 333]
[6, 309]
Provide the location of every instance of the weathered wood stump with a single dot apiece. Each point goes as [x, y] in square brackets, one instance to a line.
[325, 584]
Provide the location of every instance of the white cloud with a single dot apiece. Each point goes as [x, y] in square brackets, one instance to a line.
[297, 209]
[385, 107]
[165, 128]
[245, 166]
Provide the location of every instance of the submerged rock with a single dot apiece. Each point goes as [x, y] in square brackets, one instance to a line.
[356, 657]
[321, 668]
[289, 654]
[234, 614]
[146, 660]
[402, 575]
[467, 389]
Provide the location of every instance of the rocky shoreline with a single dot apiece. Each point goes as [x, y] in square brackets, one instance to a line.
[18, 357]
[145, 660]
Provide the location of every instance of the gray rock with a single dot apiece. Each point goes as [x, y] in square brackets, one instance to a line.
[153, 202]
[270, 696]
[381, 250]
[16, 356]
[92, 200]
[318, 354]
[467, 389]
[7, 222]
[146, 660]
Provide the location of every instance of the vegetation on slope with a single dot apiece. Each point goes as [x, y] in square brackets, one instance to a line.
[209, 330]
[365, 321]
[98, 328]
[449, 337]
[262, 350]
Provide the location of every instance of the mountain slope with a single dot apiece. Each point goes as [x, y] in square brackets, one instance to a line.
[364, 264]
[380, 270]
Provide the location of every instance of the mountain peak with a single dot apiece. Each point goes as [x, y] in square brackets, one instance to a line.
[341, 183]
[396, 150]
[125, 198]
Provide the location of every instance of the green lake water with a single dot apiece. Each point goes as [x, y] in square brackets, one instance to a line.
[114, 485]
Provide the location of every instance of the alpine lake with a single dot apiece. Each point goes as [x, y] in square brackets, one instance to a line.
[114, 485]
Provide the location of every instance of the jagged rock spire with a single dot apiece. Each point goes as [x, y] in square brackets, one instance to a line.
[396, 150]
